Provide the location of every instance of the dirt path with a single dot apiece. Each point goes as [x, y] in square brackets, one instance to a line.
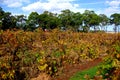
[70, 70]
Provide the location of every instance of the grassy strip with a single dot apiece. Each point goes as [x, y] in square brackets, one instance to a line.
[81, 75]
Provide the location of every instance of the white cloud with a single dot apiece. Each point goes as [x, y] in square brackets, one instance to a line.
[52, 5]
[112, 10]
[113, 3]
[113, 7]
[14, 3]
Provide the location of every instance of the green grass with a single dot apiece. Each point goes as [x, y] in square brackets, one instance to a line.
[80, 75]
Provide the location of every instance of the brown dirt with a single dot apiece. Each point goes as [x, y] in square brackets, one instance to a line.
[42, 76]
[70, 70]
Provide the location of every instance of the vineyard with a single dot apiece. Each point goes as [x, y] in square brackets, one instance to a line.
[24, 54]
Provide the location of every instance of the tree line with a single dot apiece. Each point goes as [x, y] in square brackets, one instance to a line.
[65, 20]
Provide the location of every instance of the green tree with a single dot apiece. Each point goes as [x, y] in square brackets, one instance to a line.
[66, 18]
[85, 20]
[1, 16]
[94, 21]
[8, 21]
[48, 20]
[91, 19]
[77, 20]
[104, 21]
[115, 19]
[21, 22]
[32, 22]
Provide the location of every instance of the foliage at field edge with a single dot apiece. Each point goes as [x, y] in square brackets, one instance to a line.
[110, 69]
[24, 55]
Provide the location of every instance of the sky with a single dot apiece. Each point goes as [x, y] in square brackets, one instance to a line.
[25, 7]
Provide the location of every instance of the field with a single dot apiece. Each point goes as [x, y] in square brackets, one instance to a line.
[25, 55]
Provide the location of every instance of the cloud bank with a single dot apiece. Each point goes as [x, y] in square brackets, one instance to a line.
[56, 6]
[51, 5]
[113, 7]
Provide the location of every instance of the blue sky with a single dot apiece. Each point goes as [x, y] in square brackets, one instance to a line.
[25, 7]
